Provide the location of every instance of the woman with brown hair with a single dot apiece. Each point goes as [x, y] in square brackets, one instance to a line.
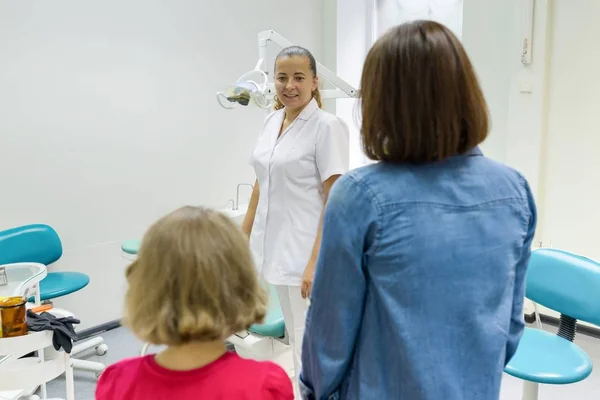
[419, 284]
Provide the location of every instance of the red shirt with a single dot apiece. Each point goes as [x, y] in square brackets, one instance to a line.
[229, 377]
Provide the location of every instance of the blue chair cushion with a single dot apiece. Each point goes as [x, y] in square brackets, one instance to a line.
[57, 284]
[131, 246]
[546, 358]
[273, 325]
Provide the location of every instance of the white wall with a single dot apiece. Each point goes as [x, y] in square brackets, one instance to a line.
[486, 24]
[394, 12]
[329, 46]
[569, 190]
[527, 110]
[488, 40]
[108, 119]
[354, 39]
[551, 114]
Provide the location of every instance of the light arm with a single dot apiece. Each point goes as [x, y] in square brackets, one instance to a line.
[263, 93]
[345, 89]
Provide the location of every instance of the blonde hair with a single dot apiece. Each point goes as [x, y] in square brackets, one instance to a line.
[300, 52]
[193, 280]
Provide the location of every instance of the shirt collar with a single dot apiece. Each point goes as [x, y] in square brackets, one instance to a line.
[475, 151]
[308, 110]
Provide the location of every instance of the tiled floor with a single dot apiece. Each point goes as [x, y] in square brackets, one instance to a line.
[122, 344]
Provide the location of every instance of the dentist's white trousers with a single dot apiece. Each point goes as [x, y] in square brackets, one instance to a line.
[294, 309]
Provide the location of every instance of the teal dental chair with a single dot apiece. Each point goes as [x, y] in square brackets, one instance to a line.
[40, 243]
[259, 341]
[131, 247]
[570, 284]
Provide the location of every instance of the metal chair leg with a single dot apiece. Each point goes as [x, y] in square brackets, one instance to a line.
[530, 390]
[144, 350]
[69, 377]
[538, 320]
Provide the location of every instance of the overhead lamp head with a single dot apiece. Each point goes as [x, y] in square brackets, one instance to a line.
[244, 90]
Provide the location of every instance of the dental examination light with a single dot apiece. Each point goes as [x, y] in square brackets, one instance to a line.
[254, 85]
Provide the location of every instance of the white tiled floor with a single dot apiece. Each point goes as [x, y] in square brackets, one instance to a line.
[122, 344]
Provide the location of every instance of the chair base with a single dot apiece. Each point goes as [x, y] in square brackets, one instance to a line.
[128, 257]
[257, 347]
[96, 343]
[144, 350]
[89, 366]
[530, 390]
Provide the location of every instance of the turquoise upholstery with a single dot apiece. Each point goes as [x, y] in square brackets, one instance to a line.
[569, 284]
[273, 325]
[565, 282]
[131, 246]
[546, 358]
[40, 243]
[30, 243]
[57, 284]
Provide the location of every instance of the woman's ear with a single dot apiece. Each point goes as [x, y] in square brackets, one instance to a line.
[315, 84]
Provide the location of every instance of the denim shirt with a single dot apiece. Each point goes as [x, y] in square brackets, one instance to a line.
[419, 286]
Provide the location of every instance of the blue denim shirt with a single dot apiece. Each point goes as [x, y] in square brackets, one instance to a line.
[419, 286]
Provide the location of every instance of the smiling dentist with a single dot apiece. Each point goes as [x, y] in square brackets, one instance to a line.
[299, 156]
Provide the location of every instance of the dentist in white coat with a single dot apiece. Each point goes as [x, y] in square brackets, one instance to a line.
[297, 159]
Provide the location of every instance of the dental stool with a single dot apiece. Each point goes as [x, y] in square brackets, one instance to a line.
[567, 283]
[130, 248]
[40, 243]
[263, 341]
[260, 341]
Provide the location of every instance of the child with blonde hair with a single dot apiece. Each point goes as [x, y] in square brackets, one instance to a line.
[192, 286]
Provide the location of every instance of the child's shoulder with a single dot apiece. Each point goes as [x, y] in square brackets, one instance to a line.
[253, 367]
[123, 368]
[125, 365]
[273, 380]
[117, 375]
[236, 359]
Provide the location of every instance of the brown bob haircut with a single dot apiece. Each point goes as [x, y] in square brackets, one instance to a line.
[193, 280]
[420, 98]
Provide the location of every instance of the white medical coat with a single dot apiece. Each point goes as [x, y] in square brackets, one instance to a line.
[291, 170]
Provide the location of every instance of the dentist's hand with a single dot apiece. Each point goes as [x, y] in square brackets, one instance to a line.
[307, 279]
